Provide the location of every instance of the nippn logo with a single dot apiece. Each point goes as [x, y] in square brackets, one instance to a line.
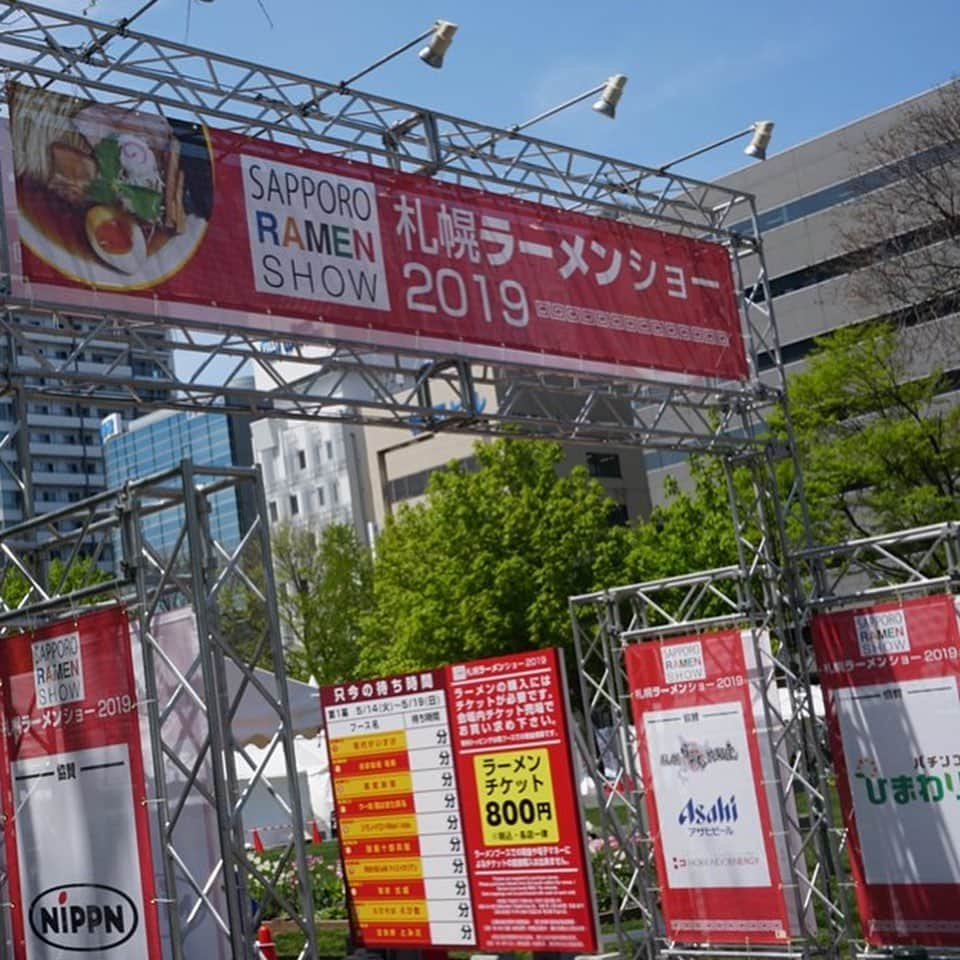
[83, 917]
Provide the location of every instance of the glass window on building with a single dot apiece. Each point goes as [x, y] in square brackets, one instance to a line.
[320, 497]
[294, 505]
[329, 448]
[335, 491]
[302, 459]
[274, 515]
[603, 464]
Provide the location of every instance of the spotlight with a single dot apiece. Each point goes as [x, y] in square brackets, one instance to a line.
[757, 147]
[610, 96]
[432, 53]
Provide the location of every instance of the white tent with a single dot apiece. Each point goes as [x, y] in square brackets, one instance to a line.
[313, 775]
[254, 725]
[255, 721]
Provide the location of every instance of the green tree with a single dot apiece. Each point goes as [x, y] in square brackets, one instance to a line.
[324, 587]
[61, 578]
[484, 566]
[693, 530]
[879, 445]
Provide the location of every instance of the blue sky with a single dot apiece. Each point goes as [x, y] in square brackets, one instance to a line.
[698, 71]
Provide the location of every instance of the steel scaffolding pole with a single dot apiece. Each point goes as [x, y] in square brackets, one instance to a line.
[354, 377]
[172, 569]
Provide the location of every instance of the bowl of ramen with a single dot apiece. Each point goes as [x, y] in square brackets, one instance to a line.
[107, 196]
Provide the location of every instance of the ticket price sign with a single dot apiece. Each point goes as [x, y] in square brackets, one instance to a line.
[890, 678]
[77, 835]
[458, 813]
[529, 871]
[710, 818]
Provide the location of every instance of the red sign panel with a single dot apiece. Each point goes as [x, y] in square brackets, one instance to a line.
[286, 240]
[457, 808]
[528, 869]
[710, 817]
[77, 836]
[890, 675]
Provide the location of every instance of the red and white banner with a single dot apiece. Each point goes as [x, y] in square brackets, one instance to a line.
[457, 808]
[696, 718]
[76, 835]
[141, 212]
[889, 675]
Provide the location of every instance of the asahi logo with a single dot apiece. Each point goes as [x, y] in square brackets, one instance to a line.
[83, 917]
[701, 814]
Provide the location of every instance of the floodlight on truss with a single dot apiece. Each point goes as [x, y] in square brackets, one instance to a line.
[433, 53]
[610, 91]
[440, 37]
[761, 131]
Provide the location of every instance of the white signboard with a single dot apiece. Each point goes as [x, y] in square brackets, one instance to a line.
[903, 767]
[81, 895]
[706, 798]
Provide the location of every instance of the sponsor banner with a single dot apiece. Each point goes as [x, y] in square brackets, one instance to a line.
[696, 716]
[890, 675]
[457, 808]
[157, 214]
[77, 836]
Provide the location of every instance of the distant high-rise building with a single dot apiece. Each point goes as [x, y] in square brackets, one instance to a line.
[314, 474]
[161, 440]
[62, 435]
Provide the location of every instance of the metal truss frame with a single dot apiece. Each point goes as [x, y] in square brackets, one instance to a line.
[48, 48]
[336, 375]
[348, 377]
[814, 579]
[199, 768]
[744, 596]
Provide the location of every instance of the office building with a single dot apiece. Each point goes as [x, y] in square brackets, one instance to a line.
[807, 200]
[314, 474]
[62, 436]
[161, 440]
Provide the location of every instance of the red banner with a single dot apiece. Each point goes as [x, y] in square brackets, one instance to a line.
[890, 675]
[710, 816]
[77, 835]
[140, 207]
[457, 808]
[528, 868]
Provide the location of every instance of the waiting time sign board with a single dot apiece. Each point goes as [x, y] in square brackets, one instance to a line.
[76, 836]
[458, 810]
[890, 676]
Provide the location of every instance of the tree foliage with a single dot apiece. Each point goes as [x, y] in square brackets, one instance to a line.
[59, 578]
[485, 565]
[904, 234]
[324, 588]
[693, 530]
[879, 446]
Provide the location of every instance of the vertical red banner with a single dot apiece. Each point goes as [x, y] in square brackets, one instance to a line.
[529, 870]
[77, 833]
[710, 817]
[890, 678]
